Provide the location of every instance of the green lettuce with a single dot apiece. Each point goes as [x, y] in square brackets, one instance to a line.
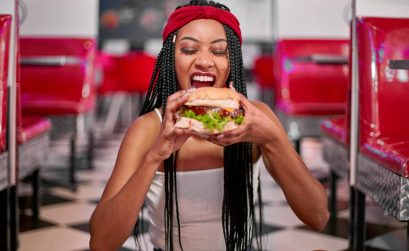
[212, 121]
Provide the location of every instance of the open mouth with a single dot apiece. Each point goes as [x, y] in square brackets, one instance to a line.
[202, 80]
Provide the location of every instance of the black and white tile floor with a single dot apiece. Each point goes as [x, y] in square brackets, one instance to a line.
[64, 214]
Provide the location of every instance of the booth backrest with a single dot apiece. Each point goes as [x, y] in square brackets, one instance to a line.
[57, 75]
[311, 70]
[125, 73]
[5, 26]
[384, 91]
[263, 71]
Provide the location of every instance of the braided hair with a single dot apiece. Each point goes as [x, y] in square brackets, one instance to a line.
[238, 208]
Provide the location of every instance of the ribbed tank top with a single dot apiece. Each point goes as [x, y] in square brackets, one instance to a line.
[200, 200]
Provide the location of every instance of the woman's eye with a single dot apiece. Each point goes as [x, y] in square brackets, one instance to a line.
[219, 52]
[188, 51]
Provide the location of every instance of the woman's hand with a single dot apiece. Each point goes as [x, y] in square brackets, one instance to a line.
[170, 138]
[258, 127]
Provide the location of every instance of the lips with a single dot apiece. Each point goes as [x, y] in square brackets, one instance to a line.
[199, 80]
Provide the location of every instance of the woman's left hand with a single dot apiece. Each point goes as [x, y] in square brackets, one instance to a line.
[258, 127]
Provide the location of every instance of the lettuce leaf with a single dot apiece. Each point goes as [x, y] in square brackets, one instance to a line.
[212, 121]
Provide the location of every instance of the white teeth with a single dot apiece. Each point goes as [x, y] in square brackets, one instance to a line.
[203, 78]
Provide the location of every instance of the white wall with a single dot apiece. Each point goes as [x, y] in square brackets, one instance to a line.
[312, 18]
[383, 8]
[255, 17]
[74, 18]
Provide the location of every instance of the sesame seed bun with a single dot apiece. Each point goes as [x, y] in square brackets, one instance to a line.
[214, 97]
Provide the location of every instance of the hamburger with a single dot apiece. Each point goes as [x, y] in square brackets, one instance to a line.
[210, 110]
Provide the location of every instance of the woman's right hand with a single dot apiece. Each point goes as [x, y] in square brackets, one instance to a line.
[170, 138]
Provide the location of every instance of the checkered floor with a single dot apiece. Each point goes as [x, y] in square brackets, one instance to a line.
[64, 214]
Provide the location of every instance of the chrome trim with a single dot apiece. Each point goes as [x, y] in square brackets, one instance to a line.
[50, 61]
[12, 100]
[353, 156]
[322, 59]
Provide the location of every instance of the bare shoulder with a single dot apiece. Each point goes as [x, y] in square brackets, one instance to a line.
[137, 141]
[267, 111]
[145, 126]
[264, 108]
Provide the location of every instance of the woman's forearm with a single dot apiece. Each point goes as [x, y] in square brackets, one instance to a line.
[113, 220]
[304, 193]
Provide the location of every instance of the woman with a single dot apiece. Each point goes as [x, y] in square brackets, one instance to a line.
[199, 189]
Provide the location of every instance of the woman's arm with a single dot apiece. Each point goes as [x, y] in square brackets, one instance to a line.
[122, 200]
[304, 193]
[143, 149]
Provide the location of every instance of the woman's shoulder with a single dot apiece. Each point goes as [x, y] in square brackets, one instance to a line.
[147, 125]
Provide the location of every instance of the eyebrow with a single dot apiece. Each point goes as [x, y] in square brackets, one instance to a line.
[197, 41]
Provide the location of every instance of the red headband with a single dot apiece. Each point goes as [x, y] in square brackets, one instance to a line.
[187, 14]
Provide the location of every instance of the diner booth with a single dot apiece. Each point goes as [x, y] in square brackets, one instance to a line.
[310, 68]
[369, 144]
[41, 74]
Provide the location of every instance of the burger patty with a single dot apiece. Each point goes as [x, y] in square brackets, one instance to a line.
[201, 110]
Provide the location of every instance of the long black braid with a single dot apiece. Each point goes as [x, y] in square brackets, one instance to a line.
[238, 225]
[238, 207]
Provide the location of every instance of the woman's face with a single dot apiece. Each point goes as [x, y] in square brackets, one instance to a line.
[201, 56]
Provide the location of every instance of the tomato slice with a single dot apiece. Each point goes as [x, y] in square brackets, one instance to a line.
[199, 110]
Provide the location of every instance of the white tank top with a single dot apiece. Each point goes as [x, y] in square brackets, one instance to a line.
[200, 200]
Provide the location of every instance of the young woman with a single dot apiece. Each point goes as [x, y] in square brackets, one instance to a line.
[199, 189]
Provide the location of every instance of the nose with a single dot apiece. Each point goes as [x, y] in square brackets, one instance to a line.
[204, 61]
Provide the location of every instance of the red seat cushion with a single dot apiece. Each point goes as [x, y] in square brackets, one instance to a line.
[5, 26]
[127, 73]
[336, 128]
[58, 89]
[383, 91]
[392, 153]
[383, 99]
[263, 71]
[308, 82]
[32, 126]
[28, 126]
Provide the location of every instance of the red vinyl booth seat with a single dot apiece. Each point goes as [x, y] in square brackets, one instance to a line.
[384, 120]
[5, 24]
[263, 71]
[392, 153]
[311, 76]
[57, 75]
[33, 140]
[336, 128]
[30, 126]
[130, 73]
